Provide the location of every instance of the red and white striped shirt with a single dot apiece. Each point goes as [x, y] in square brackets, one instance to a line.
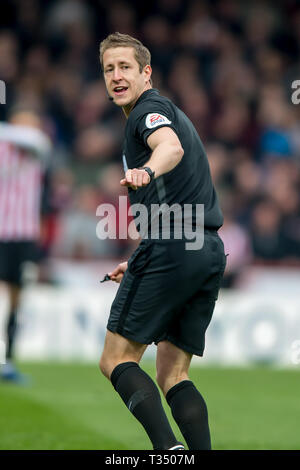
[21, 173]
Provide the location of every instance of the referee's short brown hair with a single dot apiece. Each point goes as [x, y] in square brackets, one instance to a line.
[142, 54]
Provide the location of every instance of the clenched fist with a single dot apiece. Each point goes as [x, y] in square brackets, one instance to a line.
[135, 178]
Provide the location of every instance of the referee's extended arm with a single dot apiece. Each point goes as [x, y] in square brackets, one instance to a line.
[166, 154]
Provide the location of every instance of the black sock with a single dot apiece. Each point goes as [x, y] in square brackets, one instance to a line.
[142, 398]
[190, 413]
[11, 328]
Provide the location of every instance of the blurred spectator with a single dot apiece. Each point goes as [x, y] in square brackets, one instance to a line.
[9, 64]
[76, 229]
[95, 143]
[24, 157]
[274, 117]
[121, 17]
[268, 239]
[236, 241]
[218, 161]
[159, 37]
[65, 13]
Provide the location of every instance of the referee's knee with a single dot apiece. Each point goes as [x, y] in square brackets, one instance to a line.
[108, 364]
[167, 381]
[105, 367]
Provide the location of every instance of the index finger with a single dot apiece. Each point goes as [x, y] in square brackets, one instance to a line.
[128, 176]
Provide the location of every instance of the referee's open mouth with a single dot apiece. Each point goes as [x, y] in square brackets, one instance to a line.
[120, 90]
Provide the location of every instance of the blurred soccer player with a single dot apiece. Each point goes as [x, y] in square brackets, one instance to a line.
[167, 292]
[24, 151]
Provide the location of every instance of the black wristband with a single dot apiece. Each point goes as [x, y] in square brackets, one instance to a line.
[149, 171]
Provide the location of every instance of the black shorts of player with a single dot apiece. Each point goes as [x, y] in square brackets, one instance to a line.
[169, 293]
[13, 255]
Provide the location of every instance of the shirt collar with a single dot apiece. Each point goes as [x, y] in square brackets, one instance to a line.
[145, 94]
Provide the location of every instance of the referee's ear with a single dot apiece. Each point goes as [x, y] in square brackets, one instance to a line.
[147, 73]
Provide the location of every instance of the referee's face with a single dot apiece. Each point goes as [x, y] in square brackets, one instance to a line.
[124, 81]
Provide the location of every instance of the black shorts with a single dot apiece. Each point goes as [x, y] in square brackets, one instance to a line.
[169, 293]
[13, 255]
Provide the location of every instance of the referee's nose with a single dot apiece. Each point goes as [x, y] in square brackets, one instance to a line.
[117, 74]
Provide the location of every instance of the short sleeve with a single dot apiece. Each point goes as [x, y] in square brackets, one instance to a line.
[156, 117]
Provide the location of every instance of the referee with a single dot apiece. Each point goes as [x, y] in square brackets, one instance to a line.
[167, 292]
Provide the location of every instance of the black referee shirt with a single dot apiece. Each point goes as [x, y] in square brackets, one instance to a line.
[190, 181]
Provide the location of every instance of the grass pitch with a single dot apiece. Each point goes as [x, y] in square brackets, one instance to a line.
[71, 406]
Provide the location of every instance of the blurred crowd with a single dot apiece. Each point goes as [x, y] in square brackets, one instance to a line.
[228, 64]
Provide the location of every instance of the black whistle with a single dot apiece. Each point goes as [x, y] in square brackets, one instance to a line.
[106, 278]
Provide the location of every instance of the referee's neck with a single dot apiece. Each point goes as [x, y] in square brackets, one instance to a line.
[129, 107]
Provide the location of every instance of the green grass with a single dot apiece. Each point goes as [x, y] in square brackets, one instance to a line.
[71, 406]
